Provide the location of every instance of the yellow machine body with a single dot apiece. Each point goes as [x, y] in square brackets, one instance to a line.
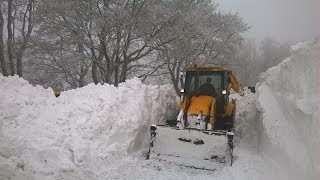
[219, 110]
[57, 93]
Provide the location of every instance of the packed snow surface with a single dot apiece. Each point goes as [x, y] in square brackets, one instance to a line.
[83, 134]
[102, 131]
[289, 101]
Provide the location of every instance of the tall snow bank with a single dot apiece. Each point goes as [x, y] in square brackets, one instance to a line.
[289, 100]
[81, 134]
[20, 105]
[245, 124]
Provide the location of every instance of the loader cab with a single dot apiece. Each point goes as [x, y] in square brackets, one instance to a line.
[198, 80]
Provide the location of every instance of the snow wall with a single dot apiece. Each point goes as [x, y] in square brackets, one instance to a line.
[288, 107]
[79, 134]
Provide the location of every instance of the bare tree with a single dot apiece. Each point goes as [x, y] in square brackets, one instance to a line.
[248, 62]
[111, 41]
[115, 35]
[272, 52]
[245, 62]
[211, 38]
[10, 37]
[19, 18]
[26, 30]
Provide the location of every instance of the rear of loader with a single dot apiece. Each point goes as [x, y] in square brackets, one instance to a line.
[202, 135]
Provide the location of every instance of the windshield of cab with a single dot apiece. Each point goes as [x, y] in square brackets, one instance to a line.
[204, 83]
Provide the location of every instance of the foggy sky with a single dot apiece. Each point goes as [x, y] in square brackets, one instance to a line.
[285, 20]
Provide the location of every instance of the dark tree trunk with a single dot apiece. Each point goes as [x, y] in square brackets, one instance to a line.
[94, 72]
[117, 60]
[26, 36]
[174, 78]
[81, 78]
[19, 57]
[116, 71]
[2, 60]
[10, 38]
[107, 73]
[124, 71]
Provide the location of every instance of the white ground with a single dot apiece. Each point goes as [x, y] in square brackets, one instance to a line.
[101, 132]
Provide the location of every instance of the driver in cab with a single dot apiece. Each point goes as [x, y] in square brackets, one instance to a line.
[207, 88]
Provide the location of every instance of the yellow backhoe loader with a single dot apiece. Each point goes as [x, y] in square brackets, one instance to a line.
[204, 129]
[57, 93]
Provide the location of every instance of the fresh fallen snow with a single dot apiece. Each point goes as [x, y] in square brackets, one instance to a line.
[102, 131]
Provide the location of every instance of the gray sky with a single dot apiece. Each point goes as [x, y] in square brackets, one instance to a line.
[285, 20]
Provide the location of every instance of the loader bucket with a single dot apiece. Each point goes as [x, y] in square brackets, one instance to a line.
[193, 148]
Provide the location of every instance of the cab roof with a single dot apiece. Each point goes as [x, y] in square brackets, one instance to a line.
[206, 68]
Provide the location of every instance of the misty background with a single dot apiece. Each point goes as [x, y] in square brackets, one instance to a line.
[69, 44]
[285, 20]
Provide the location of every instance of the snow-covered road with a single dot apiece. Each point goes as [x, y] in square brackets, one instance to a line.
[101, 131]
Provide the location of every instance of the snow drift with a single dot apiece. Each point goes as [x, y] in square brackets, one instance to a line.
[288, 100]
[94, 132]
[81, 133]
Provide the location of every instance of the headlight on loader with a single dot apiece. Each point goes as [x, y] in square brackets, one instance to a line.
[224, 92]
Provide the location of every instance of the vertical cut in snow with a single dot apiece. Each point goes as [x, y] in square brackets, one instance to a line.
[288, 98]
[81, 133]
